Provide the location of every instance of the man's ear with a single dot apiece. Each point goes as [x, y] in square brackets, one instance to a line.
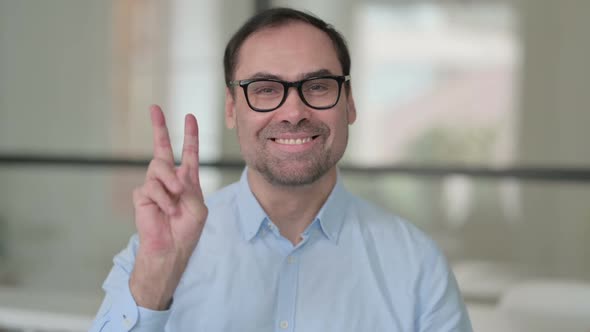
[351, 108]
[230, 109]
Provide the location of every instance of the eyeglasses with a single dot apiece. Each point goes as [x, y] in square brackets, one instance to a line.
[266, 95]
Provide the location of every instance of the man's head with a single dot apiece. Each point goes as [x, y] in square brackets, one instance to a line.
[276, 17]
[300, 140]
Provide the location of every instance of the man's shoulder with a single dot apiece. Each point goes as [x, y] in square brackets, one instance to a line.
[223, 196]
[369, 210]
[388, 227]
[376, 216]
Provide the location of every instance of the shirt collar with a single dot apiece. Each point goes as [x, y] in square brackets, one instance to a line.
[252, 215]
[331, 215]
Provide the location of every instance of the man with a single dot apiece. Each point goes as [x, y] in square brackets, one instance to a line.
[287, 248]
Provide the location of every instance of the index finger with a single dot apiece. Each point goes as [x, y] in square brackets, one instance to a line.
[190, 148]
[162, 146]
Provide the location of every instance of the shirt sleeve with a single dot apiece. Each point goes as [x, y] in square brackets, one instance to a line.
[441, 305]
[119, 312]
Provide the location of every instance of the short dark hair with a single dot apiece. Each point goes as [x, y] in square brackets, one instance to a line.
[275, 17]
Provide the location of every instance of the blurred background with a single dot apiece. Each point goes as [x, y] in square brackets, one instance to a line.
[472, 124]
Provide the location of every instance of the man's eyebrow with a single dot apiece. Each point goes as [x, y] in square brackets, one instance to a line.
[315, 73]
[262, 74]
[321, 72]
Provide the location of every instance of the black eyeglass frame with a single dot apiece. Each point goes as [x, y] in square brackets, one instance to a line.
[286, 85]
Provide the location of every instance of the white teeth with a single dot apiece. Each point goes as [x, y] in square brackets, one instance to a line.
[293, 141]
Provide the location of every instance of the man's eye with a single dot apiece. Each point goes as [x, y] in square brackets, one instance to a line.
[265, 90]
[317, 88]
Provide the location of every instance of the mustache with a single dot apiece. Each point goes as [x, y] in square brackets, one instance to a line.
[304, 127]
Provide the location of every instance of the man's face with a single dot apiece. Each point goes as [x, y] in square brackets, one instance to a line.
[294, 144]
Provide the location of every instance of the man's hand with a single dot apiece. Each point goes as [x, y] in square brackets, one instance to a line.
[169, 215]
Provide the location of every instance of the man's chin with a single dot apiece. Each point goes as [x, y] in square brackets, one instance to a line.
[293, 176]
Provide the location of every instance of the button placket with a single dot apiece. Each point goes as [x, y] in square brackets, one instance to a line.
[287, 293]
[126, 322]
[284, 324]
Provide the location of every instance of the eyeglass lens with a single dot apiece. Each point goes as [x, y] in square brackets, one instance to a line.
[321, 92]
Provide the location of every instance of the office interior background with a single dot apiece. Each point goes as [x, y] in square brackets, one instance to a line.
[472, 123]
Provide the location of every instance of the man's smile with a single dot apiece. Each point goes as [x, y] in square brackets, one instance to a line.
[294, 141]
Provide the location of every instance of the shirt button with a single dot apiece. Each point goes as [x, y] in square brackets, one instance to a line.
[284, 324]
[290, 259]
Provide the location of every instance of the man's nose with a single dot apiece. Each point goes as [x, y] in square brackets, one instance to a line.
[293, 109]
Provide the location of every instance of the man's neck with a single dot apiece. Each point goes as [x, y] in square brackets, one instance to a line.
[292, 208]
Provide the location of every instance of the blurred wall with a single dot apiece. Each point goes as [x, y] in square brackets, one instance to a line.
[554, 116]
[55, 99]
[55, 67]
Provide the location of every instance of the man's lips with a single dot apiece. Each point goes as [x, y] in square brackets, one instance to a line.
[294, 140]
[289, 137]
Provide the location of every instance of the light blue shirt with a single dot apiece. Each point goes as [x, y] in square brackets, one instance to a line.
[358, 268]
